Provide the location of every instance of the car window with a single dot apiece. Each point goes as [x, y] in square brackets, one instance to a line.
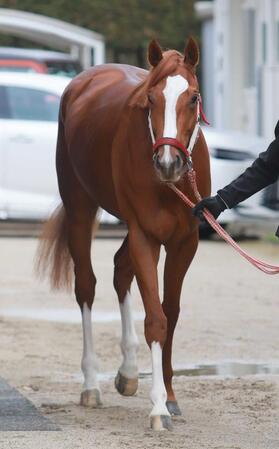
[32, 104]
[63, 68]
[4, 105]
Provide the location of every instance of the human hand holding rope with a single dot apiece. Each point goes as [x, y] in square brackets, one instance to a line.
[214, 204]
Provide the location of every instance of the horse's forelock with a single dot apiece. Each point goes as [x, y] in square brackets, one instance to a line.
[168, 65]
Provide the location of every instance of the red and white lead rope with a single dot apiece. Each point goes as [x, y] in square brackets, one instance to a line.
[263, 266]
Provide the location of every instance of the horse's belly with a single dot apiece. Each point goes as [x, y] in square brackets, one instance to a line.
[92, 165]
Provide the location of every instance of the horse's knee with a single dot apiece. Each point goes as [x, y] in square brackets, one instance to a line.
[156, 328]
[117, 281]
[123, 276]
[85, 283]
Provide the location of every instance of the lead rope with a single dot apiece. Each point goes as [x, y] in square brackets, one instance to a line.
[262, 266]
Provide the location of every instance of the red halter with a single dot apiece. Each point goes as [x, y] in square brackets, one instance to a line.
[170, 141]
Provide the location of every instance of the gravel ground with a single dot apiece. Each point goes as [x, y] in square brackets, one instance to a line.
[229, 313]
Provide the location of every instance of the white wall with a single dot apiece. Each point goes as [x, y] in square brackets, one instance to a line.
[222, 70]
[231, 102]
[244, 93]
[208, 72]
[269, 14]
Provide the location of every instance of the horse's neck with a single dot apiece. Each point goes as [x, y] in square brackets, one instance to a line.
[138, 130]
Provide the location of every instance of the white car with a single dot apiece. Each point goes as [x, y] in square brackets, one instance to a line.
[29, 106]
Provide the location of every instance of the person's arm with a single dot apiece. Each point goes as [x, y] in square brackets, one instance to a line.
[263, 172]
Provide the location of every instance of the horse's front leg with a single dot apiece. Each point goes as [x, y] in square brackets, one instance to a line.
[144, 253]
[179, 257]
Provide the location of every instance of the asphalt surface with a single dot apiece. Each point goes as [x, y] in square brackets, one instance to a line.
[17, 413]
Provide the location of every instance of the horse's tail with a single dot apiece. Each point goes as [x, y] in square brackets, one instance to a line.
[53, 258]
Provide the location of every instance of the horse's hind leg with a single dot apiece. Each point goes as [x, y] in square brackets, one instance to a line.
[80, 235]
[80, 212]
[126, 381]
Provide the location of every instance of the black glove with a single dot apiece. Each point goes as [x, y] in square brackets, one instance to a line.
[213, 203]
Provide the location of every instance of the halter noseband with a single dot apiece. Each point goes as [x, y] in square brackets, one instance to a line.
[187, 151]
[173, 142]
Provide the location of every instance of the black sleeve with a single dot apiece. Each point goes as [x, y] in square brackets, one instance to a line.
[263, 172]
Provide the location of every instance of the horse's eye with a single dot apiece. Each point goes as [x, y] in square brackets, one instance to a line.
[194, 99]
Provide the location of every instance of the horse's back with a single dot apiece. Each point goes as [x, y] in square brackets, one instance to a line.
[99, 90]
[91, 110]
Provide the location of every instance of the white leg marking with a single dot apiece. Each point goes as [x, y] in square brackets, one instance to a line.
[89, 362]
[158, 392]
[175, 86]
[129, 342]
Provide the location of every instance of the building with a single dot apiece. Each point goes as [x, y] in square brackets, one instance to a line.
[83, 44]
[240, 59]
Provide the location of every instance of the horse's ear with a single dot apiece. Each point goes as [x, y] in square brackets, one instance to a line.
[191, 52]
[155, 53]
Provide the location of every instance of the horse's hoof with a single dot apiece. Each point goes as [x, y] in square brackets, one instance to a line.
[162, 422]
[173, 408]
[91, 398]
[125, 386]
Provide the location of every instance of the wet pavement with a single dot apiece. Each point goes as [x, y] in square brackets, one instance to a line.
[220, 370]
[226, 369]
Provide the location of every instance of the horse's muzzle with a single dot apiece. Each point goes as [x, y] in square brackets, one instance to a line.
[169, 170]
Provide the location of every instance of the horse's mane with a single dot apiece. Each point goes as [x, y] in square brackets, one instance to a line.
[168, 64]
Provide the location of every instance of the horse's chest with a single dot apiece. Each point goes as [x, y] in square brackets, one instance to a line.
[166, 225]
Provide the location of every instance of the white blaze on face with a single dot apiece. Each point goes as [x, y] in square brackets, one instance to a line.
[175, 86]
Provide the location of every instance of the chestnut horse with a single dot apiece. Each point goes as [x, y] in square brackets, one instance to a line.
[110, 116]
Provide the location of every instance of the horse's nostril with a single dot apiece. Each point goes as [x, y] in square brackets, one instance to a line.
[178, 162]
[168, 169]
[157, 162]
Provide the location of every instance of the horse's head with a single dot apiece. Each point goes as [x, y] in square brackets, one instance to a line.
[172, 97]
